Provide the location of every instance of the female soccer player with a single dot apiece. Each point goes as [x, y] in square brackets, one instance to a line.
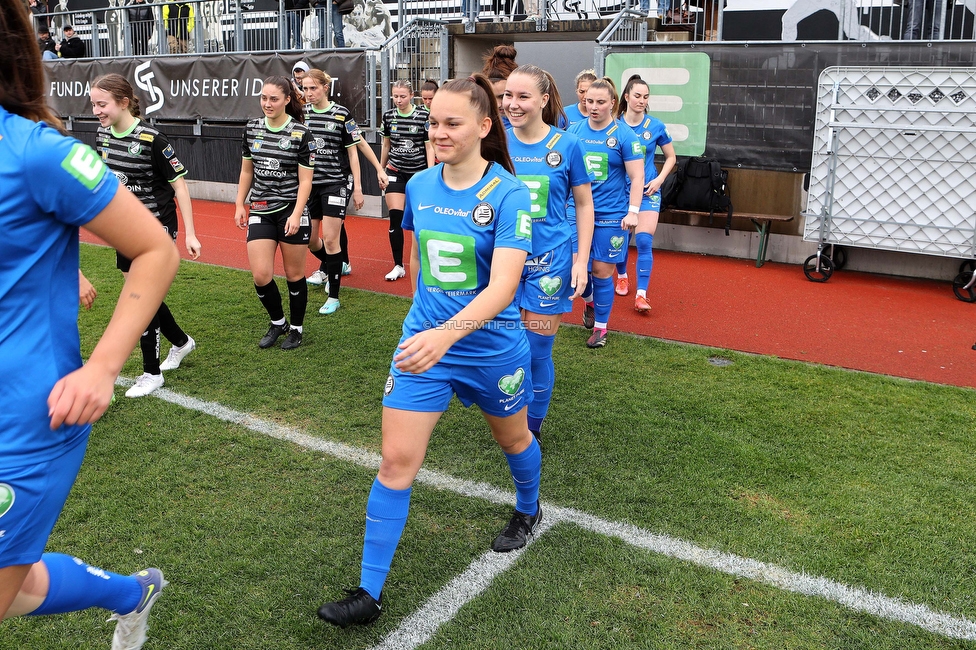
[406, 151]
[550, 162]
[613, 156]
[278, 158]
[471, 231]
[499, 63]
[427, 90]
[336, 139]
[577, 112]
[652, 134]
[52, 185]
[145, 162]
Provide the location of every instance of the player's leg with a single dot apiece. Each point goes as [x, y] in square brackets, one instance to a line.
[332, 229]
[394, 204]
[646, 226]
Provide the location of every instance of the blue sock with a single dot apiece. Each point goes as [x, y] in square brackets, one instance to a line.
[543, 377]
[76, 586]
[386, 515]
[588, 292]
[645, 259]
[526, 472]
[602, 299]
[622, 266]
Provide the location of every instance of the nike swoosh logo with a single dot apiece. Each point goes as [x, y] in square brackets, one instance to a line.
[149, 594]
[293, 293]
[421, 206]
[548, 304]
[510, 407]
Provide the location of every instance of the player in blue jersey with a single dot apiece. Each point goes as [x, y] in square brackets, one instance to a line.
[277, 162]
[652, 134]
[614, 156]
[550, 163]
[577, 112]
[51, 185]
[471, 233]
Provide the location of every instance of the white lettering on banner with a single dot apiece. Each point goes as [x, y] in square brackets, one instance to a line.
[69, 89]
[144, 77]
[203, 87]
[256, 86]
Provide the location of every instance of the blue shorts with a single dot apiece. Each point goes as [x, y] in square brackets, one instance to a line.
[546, 279]
[38, 493]
[651, 203]
[609, 244]
[499, 385]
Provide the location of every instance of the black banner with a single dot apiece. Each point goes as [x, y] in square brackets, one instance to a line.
[211, 87]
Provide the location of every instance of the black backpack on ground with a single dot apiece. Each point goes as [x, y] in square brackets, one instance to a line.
[701, 185]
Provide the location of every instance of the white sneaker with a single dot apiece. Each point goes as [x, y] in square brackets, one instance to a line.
[176, 355]
[317, 278]
[397, 273]
[465, 21]
[346, 268]
[144, 385]
[130, 629]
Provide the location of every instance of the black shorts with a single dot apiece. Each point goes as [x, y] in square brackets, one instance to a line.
[329, 201]
[398, 181]
[123, 263]
[271, 225]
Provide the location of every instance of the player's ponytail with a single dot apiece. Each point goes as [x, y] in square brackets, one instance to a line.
[120, 89]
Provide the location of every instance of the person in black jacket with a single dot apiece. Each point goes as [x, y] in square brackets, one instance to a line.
[141, 21]
[71, 47]
[49, 49]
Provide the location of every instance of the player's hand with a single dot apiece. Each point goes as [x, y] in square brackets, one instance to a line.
[193, 247]
[383, 179]
[653, 187]
[86, 292]
[357, 199]
[629, 222]
[293, 223]
[421, 351]
[580, 278]
[240, 216]
[80, 397]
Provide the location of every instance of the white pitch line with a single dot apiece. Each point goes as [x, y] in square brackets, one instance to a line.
[857, 599]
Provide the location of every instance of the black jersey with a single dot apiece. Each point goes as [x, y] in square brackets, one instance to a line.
[334, 131]
[276, 153]
[408, 136]
[145, 162]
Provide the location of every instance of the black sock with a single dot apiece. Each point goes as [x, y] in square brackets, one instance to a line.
[297, 301]
[333, 267]
[396, 236]
[149, 344]
[344, 244]
[320, 253]
[271, 299]
[168, 326]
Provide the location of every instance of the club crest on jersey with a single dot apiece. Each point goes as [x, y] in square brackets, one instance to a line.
[168, 151]
[284, 144]
[611, 142]
[647, 135]
[319, 143]
[122, 178]
[7, 498]
[135, 148]
[553, 158]
[388, 387]
[483, 214]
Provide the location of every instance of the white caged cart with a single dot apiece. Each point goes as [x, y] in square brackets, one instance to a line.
[894, 167]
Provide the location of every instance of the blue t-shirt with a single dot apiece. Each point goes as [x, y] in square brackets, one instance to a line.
[550, 169]
[652, 134]
[606, 152]
[457, 232]
[573, 113]
[49, 185]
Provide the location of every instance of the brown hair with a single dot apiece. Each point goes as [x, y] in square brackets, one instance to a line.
[500, 62]
[429, 84]
[403, 83]
[634, 80]
[119, 88]
[322, 77]
[552, 112]
[606, 83]
[295, 107]
[494, 146]
[585, 75]
[21, 71]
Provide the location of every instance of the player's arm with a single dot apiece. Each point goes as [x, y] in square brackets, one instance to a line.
[635, 172]
[126, 225]
[357, 181]
[670, 160]
[583, 198]
[429, 148]
[381, 176]
[243, 187]
[86, 291]
[304, 191]
[186, 211]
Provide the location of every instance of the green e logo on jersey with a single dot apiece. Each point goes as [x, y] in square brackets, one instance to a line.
[448, 260]
[596, 164]
[84, 164]
[523, 229]
[6, 498]
[539, 193]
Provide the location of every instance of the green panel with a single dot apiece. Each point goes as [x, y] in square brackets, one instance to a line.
[678, 83]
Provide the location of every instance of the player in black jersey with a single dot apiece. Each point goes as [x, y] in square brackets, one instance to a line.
[146, 163]
[278, 158]
[337, 175]
[406, 151]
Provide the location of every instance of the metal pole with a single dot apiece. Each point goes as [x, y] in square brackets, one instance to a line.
[282, 26]
[445, 53]
[384, 80]
[126, 33]
[197, 28]
[96, 48]
[239, 29]
[599, 55]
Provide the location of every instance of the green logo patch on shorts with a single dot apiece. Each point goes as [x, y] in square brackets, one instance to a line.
[510, 384]
[6, 498]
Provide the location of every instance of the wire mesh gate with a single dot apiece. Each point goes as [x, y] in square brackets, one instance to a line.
[894, 166]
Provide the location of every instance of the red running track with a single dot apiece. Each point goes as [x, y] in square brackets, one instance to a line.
[902, 327]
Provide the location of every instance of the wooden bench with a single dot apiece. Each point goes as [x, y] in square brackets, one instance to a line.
[760, 221]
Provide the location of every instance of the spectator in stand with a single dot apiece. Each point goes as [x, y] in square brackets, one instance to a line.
[178, 20]
[71, 47]
[49, 49]
[923, 20]
[336, 17]
[295, 12]
[37, 8]
[141, 26]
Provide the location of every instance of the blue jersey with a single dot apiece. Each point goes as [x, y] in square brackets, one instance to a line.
[606, 152]
[652, 134]
[457, 231]
[550, 169]
[573, 113]
[49, 185]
